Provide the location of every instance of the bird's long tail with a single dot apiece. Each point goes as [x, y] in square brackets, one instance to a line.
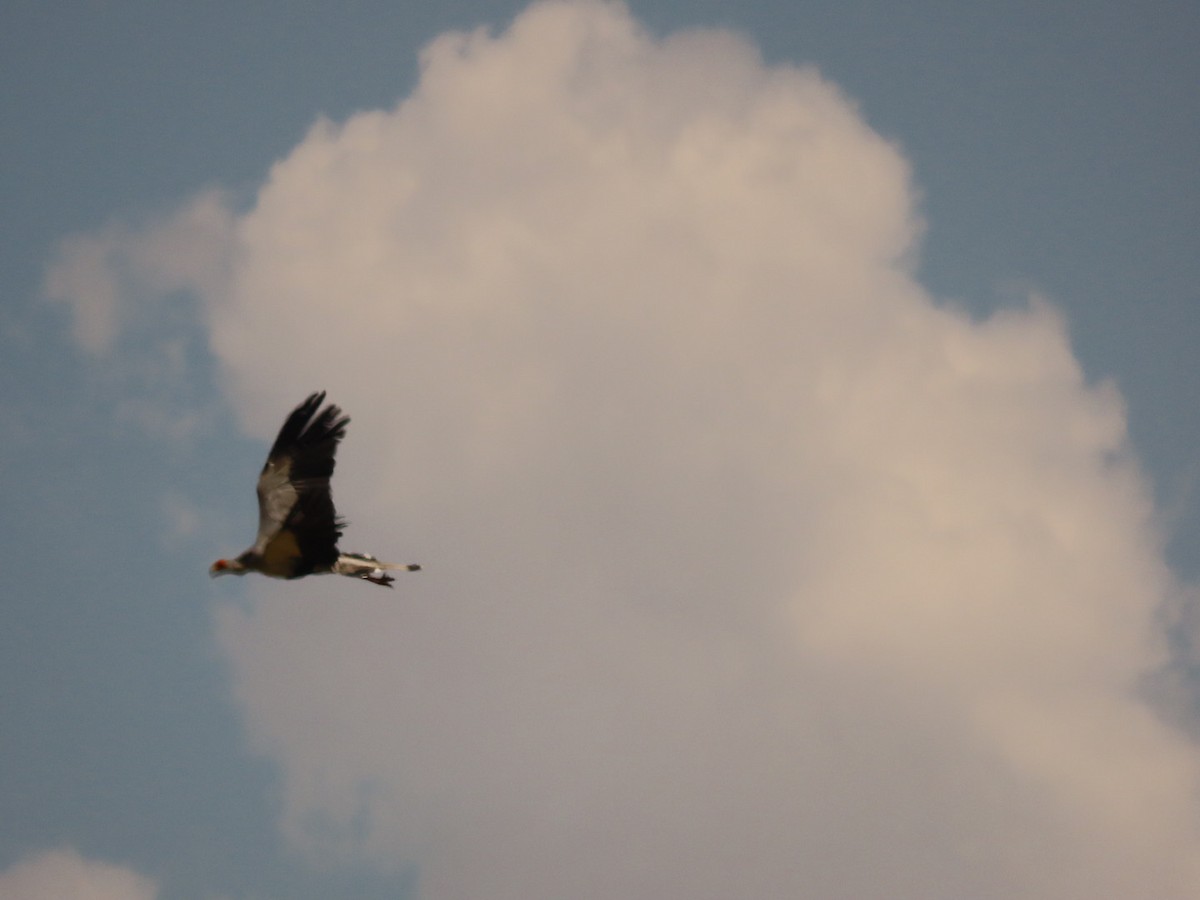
[367, 567]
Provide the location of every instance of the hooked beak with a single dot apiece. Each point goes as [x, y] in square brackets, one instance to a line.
[220, 567]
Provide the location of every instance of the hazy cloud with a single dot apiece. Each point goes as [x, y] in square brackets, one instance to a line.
[107, 279]
[182, 518]
[751, 570]
[64, 873]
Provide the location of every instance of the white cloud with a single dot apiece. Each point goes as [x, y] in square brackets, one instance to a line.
[106, 278]
[751, 571]
[57, 874]
[83, 278]
[131, 292]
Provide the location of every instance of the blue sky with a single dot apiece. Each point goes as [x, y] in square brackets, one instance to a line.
[161, 725]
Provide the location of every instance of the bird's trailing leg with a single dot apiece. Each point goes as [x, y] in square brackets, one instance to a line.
[368, 568]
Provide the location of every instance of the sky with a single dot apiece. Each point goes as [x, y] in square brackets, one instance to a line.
[790, 405]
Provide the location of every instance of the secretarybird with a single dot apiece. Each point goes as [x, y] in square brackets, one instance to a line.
[298, 529]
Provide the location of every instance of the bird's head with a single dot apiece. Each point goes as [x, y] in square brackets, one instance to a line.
[226, 567]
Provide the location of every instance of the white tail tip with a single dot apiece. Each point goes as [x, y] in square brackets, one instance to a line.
[365, 566]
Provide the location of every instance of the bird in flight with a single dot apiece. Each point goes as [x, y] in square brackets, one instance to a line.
[298, 529]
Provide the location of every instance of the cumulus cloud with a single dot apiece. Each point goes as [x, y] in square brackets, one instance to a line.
[64, 873]
[751, 569]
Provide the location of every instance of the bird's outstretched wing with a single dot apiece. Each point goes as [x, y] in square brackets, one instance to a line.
[298, 528]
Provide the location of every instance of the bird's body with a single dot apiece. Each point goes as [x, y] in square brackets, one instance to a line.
[298, 529]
